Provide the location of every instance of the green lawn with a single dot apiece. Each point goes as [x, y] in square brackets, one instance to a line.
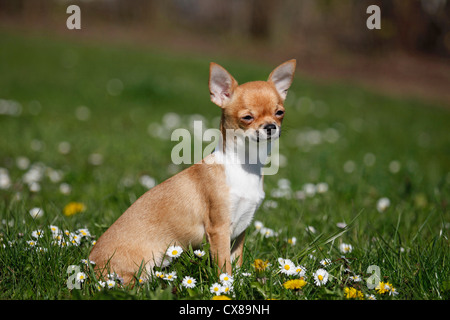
[84, 122]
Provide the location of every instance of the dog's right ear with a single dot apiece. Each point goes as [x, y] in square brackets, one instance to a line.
[221, 85]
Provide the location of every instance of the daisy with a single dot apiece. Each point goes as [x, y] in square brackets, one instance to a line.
[37, 234]
[325, 262]
[226, 279]
[36, 213]
[355, 278]
[292, 241]
[110, 284]
[286, 266]
[54, 229]
[159, 274]
[174, 251]
[188, 282]
[81, 276]
[300, 271]
[216, 288]
[100, 285]
[227, 289]
[371, 297]
[84, 232]
[383, 204]
[345, 248]
[320, 277]
[199, 253]
[170, 276]
[31, 243]
[258, 225]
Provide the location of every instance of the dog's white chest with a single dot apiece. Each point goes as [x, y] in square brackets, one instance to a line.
[246, 195]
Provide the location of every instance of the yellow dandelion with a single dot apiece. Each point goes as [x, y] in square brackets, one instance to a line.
[352, 293]
[383, 287]
[260, 265]
[221, 297]
[73, 208]
[295, 284]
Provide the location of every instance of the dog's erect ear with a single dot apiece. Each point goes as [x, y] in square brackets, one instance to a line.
[282, 77]
[221, 84]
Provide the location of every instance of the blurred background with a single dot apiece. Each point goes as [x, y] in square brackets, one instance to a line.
[409, 55]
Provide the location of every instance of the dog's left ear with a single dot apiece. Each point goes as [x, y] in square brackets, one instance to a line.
[282, 77]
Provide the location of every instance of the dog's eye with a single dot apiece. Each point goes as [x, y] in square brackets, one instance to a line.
[279, 113]
[247, 118]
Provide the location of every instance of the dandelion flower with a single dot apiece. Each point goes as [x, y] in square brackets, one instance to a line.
[199, 253]
[188, 282]
[261, 265]
[320, 277]
[295, 284]
[226, 279]
[286, 266]
[352, 293]
[174, 251]
[221, 297]
[383, 287]
[73, 208]
[345, 248]
[216, 288]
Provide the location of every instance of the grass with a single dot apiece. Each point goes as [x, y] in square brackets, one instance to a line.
[363, 146]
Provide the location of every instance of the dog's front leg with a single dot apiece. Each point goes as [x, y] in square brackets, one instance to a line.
[219, 241]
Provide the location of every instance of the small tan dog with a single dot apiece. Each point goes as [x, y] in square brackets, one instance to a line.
[216, 197]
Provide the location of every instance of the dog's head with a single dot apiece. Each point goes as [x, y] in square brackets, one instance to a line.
[256, 107]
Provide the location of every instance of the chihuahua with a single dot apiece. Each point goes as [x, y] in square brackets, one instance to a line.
[215, 198]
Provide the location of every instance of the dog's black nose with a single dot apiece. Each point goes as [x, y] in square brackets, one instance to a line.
[270, 128]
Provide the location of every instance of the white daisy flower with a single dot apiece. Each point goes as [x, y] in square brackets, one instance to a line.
[227, 288]
[37, 233]
[383, 204]
[100, 285]
[174, 251]
[325, 262]
[81, 276]
[84, 232]
[110, 284]
[226, 279]
[170, 276]
[286, 266]
[345, 248]
[159, 274]
[300, 271]
[54, 229]
[355, 278]
[31, 243]
[258, 225]
[36, 213]
[188, 282]
[320, 277]
[199, 253]
[292, 241]
[216, 288]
